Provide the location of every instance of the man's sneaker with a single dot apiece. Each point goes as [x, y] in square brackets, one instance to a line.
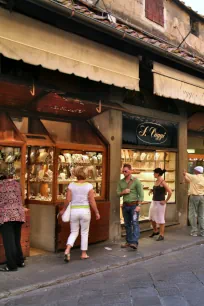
[194, 234]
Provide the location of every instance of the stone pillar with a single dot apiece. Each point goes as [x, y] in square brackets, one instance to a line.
[109, 124]
[182, 163]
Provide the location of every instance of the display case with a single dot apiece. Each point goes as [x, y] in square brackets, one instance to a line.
[39, 176]
[143, 164]
[12, 150]
[70, 160]
[10, 161]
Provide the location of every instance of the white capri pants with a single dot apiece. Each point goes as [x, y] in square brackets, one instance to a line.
[80, 217]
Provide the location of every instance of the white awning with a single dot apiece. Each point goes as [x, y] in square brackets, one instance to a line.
[36, 43]
[175, 84]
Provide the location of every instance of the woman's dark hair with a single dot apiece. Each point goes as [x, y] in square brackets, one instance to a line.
[3, 177]
[159, 171]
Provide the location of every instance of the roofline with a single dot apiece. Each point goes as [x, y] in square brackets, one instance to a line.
[189, 10]
[107, 29]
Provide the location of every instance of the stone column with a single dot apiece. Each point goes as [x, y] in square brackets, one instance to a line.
[109, 124]
[182, 163]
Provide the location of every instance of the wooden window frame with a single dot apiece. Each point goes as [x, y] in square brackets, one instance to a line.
[194, 24]
[154, 11]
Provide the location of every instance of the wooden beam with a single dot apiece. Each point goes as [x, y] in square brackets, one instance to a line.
[33, 103]
[40, 115]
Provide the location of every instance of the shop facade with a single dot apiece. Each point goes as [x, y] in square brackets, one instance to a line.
[56, 132]
[54, 127]
[149, 144]
[161, 143]
[42, 155]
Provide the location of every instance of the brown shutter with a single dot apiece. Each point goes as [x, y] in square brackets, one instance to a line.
[154, 11]
[149, 9]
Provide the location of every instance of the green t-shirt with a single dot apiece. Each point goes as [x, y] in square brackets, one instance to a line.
[136, 190]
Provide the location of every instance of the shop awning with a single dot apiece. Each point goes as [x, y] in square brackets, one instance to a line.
[36, 43]
[175, 84]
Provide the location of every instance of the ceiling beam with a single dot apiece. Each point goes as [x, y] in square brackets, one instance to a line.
[31, 105]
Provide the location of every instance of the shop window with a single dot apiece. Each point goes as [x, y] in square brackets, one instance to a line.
[154, 11]
[194, 27]
[143, 163]
[69, 161]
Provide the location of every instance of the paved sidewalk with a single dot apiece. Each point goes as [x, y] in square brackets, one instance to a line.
[46, 270]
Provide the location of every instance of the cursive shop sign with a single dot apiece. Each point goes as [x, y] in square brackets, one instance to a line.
[151, 133]
[139, 130]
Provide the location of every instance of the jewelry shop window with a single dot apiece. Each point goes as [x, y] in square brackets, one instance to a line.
[70, 160]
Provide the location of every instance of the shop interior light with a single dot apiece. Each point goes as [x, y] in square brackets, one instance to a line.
[191, 151]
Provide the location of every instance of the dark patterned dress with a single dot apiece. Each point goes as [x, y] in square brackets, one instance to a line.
[11, 208]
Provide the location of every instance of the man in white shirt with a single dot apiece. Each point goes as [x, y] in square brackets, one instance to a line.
[196, 200]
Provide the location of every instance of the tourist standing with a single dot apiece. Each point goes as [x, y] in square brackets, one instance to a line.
[196, 200]
[158, 205]
[12, 216]
[130, 188]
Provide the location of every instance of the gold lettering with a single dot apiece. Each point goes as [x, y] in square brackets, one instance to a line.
[152, 132]
[143, 132]
[156, 135]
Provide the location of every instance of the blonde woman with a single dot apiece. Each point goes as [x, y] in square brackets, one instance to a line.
[80, 195]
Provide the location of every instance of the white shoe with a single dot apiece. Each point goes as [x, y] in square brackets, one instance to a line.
[194, 234]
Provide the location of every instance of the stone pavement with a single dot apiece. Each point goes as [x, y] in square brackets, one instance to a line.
[47, 270]
[175, 279]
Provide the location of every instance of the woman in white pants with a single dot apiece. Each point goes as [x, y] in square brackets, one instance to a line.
[80, 195]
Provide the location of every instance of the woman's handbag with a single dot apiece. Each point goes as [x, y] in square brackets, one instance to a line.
[66, 214]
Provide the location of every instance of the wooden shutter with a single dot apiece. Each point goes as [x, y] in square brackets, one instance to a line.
[154, 11]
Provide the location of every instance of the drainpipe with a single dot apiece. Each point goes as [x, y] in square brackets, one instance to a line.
[123, 36]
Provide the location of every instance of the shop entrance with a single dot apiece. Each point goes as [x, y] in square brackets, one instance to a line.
[150, 144]
[143, 163]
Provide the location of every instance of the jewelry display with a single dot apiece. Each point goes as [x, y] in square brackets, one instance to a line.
[39, 173]
[143, 156]
[92, 166]
[10, 161]
[143, 164]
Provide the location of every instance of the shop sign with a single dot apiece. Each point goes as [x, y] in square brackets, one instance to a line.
[152, 133]
[147, 132]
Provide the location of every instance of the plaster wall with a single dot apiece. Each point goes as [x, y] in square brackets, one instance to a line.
[195, 143]
[177, 22]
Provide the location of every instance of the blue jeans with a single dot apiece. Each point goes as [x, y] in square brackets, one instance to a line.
[132, 227]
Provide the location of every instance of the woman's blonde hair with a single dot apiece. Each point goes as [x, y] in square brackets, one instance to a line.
[80, 173]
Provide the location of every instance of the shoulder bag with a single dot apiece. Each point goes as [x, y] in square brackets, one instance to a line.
[66, 214]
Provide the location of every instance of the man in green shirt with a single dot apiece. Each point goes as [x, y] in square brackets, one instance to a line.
[131, 190]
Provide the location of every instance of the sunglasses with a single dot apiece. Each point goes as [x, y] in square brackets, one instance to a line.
[125, 171]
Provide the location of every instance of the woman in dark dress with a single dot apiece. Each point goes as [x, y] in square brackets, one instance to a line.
[158, 205]
[12, 216]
